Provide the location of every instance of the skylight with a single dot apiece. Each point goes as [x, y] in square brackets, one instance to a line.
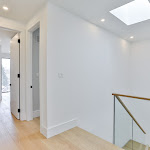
[133, 12]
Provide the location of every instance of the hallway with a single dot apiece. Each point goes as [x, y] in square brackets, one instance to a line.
[23, 135]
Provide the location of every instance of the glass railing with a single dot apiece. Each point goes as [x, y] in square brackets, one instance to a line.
[139, 141]
[128, 133]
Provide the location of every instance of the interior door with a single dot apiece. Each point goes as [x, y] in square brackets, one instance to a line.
[15, 76]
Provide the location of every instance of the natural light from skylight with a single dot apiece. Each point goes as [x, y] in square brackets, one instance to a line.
[133, 12]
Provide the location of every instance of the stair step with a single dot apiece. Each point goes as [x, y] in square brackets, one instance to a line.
[136, 146]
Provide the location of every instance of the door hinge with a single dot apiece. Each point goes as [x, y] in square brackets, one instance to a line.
[18, 75]
[18, 40]
[10, 84]
[18, 110]
[31, 86]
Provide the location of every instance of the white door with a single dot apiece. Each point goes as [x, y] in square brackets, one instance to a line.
[15, 76]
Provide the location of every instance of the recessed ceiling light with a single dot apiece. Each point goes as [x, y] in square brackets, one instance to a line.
[102, 20]
[131, 37]
[133, 12]
[5, 7]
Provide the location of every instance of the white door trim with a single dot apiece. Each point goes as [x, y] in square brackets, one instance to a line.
[29, 104]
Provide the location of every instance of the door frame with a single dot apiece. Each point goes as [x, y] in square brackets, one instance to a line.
[19, 28]
[40, 20]
[29, 68]
[37, 26]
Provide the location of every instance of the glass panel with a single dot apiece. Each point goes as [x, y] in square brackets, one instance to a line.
[138, 138]
[123, 127]
[140, 111]
[5, 75]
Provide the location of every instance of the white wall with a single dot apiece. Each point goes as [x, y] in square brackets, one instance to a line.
[140, 83]
[140, 70]
[5, 37]
[85, 64]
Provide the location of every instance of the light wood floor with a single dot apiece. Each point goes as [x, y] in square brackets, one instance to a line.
[23, 135]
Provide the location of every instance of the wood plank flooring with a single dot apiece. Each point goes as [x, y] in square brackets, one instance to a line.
[23, 135]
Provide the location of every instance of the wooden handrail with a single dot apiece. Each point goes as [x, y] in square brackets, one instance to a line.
[136, 97]
[129, 113]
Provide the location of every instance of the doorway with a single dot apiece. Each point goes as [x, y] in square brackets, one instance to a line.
[5, 75]
[10, 70]
[35, 73]
[21, 29]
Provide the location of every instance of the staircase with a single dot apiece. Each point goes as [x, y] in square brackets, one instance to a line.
[135, 145]
[126, 126]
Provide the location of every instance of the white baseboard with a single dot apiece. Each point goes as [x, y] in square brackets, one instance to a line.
[60, 128]
[43, 131]
[36, 113]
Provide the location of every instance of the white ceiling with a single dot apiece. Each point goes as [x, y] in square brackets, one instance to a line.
[94, 10]
[91, 10]
[7, 33]
[21, 10]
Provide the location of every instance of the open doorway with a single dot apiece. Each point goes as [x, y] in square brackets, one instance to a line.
[34, 105]
[5, 44]
[13, 28]
[10, 70]
[5, 73]
[35, 73]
